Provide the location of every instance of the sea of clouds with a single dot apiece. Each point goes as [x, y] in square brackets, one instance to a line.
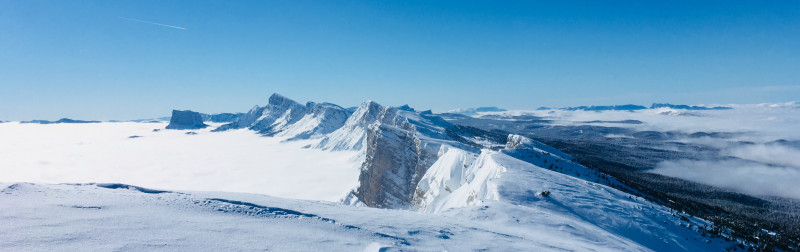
[761, 156]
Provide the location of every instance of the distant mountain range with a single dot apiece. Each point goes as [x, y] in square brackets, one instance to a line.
[475, 111]
[62, 120]
[626, 107]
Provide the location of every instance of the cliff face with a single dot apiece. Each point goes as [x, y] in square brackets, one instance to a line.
[389, 167]
[399, 146]
[186, 119]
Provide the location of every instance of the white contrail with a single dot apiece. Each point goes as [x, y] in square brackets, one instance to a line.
[148, 22]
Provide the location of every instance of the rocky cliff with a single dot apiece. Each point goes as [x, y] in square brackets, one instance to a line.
[186, 119]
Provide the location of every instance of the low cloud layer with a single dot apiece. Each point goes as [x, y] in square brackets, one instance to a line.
[756, 169]
[773, 154]
[759, 156]
[739, 175]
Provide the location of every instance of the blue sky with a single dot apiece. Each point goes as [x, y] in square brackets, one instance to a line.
[89, 60]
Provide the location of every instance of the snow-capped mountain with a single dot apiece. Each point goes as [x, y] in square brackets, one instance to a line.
[469, 186]
[287, 118]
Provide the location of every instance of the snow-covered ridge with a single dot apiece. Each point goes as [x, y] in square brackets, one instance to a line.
[124, 217]
[461, 178]
[286, 118]
[460, 181]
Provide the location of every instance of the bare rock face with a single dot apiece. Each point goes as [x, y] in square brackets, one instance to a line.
[186, 119]
[389, 167]
[399, 146]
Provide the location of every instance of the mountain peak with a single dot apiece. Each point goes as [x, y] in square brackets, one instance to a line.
[278, 99]
[406, 108]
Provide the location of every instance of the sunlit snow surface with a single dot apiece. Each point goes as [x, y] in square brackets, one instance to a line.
[496, 205]
[132, 153]
[578, 216]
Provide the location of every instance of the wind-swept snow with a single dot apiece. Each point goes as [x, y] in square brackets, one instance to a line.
[459, 181]
[119, 217]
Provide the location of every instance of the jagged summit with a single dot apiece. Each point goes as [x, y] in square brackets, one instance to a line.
[278, 100]
[287, 118]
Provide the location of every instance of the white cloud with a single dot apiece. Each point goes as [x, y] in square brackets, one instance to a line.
[738, 175]
[233, 161]
[758, 167]
[773, 154]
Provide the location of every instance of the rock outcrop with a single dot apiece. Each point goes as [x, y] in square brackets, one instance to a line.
[186, 119]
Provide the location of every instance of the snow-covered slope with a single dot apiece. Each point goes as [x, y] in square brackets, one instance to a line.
[550, 158]
[353, 133]
[460, 181]
[320, 119]
[121, 217]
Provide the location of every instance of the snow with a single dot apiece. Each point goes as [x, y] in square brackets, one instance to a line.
[578, 216]
[512, 187]
[97, 217]
[234, 161]
[192, 191]
[352, 134]
[458, 179]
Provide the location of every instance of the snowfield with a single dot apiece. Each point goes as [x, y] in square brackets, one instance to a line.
[233, 161]
[103, 217]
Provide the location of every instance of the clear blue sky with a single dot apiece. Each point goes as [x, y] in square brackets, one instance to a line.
[92, 60]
